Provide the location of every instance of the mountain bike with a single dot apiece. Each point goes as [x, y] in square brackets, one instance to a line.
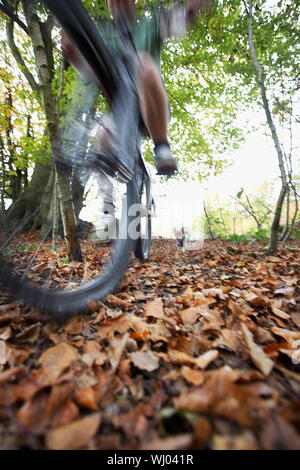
[31, 268]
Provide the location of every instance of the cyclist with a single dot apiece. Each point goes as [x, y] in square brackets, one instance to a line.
[148, 35]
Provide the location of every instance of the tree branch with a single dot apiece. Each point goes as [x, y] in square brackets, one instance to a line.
[9, 11]
[18, 58]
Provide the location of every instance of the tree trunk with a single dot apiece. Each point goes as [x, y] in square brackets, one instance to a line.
[55, 205]
[261, 80]
[208, 223]
[44, 62]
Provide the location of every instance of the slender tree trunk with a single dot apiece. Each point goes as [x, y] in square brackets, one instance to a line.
[208, 223]
[292, 224]
[43, 64]
[261, 80]
[55, 205]
[287, 216]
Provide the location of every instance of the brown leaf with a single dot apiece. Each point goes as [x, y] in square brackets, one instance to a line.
[134, 423]
[263, 336]
[259, 358]
[296, 318]
[11, 373]
[243, 441]
[202, 432]
[159, 332]
[58, 396]
[228, 339]
[56, 359]
[278, 434]
[235, 308]
[220, 396]
[116, 349]
[85, 398]
[179, 357]
[74, 435]
[154, 309]
[5, 333]
[288, 291]
[110, 326]
[195, 377]
[190, 315]
[93, 354]
[66, 414]
[74, 326]
[117, 302]
[32, 414]
[293, 354]
[289, 336]
[145, 360]
[30, 334]
[280, 313]
[205, 359]
[3, 352]
[179, 442]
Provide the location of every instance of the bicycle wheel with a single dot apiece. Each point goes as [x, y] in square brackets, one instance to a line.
[142, 247]
[34, 260]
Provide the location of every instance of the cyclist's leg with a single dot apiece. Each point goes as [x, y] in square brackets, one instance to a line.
[155, 110]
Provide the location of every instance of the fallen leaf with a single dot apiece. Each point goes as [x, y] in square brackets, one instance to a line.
[263, 336]
[179, 357]
[116, 349]
[32, 414]
[259, 358]
[278, 434]
[11, 373]
[74, 326]
[289, 336]
[220, 396]
[179, 442]
[190, 315]
[288, 291]
[293, 354]
[235, 308]
[205, 359]
[117, 302]
[66, 414]
[74, 435]
[296, 318]
[280, 313]
[85, 398]
[56, 359]
[5, 333]
[3, 353]
[145, 360]
[110, 326]
[243, 441]
[202, 432]
[195, 377]
[154, 309]
[30, 334]
[159, 332]
[228, 339]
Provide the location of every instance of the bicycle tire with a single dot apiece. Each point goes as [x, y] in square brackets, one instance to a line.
[142, 247]
[61, 305]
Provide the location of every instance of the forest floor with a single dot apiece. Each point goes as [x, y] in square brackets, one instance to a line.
[197, 350]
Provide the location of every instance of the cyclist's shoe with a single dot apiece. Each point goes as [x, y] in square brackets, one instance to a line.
[106, 230]
[166, 164]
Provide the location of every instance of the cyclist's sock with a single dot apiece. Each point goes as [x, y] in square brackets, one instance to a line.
[159, 143]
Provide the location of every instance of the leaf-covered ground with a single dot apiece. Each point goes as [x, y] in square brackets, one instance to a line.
[198, 350]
